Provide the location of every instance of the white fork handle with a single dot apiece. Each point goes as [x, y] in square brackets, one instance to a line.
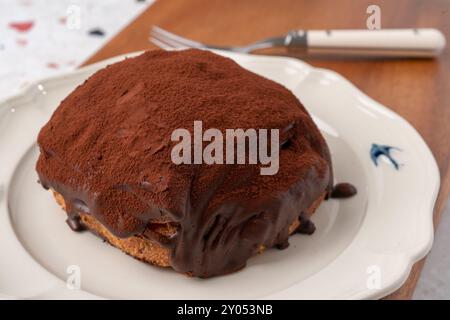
[387, 42]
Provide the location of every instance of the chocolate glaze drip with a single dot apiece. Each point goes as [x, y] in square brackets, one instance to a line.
[306, 225]
[343, 190]
[107, 147]
[74, 222]
[283, 245]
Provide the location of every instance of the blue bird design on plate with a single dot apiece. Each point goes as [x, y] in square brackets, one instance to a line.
[378, 150]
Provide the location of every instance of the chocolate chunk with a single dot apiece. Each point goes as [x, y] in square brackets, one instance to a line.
[343, 190]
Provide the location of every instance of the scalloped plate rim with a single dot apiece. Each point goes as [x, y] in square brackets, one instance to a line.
[408, 258]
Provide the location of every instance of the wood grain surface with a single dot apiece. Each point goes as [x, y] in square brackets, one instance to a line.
[418, 90]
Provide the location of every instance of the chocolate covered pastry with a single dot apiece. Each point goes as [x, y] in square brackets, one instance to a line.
[106, 154]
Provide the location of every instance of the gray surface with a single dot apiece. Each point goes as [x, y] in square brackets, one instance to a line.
[434, 282]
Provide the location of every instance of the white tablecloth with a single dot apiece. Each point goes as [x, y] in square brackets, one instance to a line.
[39, 38]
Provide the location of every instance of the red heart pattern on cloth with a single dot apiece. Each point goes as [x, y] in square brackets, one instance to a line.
[24, 26]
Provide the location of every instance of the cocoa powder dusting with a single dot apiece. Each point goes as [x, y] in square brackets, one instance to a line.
[107, 147]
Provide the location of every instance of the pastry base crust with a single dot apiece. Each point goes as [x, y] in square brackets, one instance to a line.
[146, 249]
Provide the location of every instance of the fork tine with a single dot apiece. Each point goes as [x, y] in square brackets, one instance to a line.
[161, 44]
[167, 42]
[176, 40]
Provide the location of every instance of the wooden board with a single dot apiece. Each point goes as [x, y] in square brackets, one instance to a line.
[418, 90]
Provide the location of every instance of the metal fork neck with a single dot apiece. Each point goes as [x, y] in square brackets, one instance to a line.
[296, 38]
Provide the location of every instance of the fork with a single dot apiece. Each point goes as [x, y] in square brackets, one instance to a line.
[425, 42]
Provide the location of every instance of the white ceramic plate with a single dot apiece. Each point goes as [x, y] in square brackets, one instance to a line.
[364, 246]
